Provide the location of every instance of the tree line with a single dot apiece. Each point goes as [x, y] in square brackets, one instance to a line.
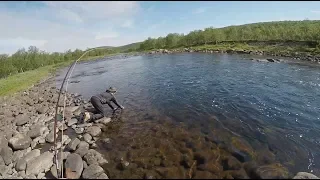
[305, 30]
[25, 60]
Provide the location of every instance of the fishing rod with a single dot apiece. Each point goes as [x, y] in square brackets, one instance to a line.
[66, 78]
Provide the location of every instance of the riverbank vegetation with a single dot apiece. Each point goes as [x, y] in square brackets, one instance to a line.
[289, 35]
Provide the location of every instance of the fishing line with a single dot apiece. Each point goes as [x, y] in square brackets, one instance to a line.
[66, 77]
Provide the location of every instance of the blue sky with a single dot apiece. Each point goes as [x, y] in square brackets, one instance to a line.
[59, 26]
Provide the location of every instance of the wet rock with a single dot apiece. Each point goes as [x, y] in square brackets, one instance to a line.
[82, 148]
[72, 121]
[6, 154]
[231, 163]
[273, 171]
[92, 172]
[79, 130]
[186, 161]
[73, 144]
[19, 142]
[94, 130]
[211, 166]
[40, 164]
[74, 166]
[237, 174]
[21, 120]
[87, 137]
[94, 157]
[36, 131]
[305, 175]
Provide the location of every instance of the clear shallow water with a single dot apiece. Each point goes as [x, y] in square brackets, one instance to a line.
[274, 104]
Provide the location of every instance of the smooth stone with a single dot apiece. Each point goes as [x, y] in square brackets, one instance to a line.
[73, 144]
[94, 157]
[40, 164]
[74, 166]
[94, 130]
[6, 154]
[20, 142]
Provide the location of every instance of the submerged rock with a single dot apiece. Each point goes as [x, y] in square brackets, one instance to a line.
[305, 175]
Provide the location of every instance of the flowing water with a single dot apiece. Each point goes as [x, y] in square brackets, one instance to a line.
[173, 100]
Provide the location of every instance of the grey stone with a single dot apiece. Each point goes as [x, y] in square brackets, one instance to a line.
[21, 165]
[103, 176]
[4, 170]
[94, 157]
[41, 175]
[305, 175]
[7, 155]
[82, 150]
[92, 172]
[42, 140]
[79, 130]
[104, 120]
[73, 144]
[36, 131]
[72, 121]
[72, 108]
[85, 165]
[19, 142]
[33, 144]
[17, 155]
[87, 137]
[21, 120]
[54, 171]
[63, 127]
[75, 165]
[3, 142]
[31, 155]
[42, 110]
[50, 137]
[40, 164]
[94, 130]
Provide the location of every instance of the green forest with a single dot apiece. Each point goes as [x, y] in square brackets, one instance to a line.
[307, 30]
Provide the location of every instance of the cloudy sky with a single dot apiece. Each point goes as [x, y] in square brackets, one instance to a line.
[59, 26]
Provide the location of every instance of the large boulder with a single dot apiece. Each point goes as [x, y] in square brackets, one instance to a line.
[19, 142]
[92, 172]
[40, 164]
[74, 166]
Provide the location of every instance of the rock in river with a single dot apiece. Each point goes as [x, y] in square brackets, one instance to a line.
[74, 166]
[94, 130]
[73, 144]
[92, 172]
[94, 157]
[20, 141]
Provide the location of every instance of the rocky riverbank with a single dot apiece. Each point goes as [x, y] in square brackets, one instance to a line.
[27, 132]
[295, 55]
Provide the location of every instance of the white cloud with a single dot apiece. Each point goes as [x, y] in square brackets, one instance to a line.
[315, 11]
[199, 10]
[128, 23]
[59, 26]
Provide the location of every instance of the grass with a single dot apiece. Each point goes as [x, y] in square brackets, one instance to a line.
[21, 81]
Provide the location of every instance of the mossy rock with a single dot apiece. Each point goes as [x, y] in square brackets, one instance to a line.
[243, 146]
[272, 171]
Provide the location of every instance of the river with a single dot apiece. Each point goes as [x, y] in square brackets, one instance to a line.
[272, 106]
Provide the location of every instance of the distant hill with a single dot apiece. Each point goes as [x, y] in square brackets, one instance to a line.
[128, 47]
